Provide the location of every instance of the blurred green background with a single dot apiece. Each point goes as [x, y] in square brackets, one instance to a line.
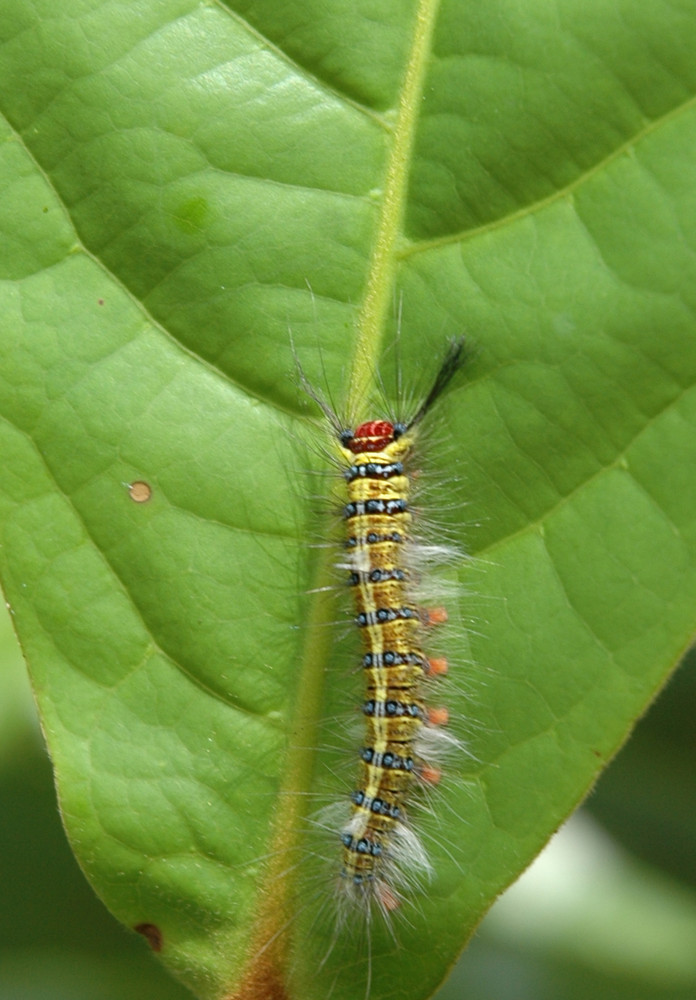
[608, 912]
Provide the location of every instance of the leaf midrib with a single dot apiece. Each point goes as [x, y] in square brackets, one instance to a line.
[272, 916]
[378, 296]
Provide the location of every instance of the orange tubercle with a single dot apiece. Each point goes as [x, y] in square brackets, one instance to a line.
[438, 716]
[436, 616]
[388, 899]
[430, 775]
[438, 666]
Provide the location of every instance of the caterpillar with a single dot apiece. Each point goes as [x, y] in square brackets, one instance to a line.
[381, 854]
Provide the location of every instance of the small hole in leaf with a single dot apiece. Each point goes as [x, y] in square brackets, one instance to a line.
[140, 492]
[152, 934]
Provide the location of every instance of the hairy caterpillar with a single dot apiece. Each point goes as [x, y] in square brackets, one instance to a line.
[382, 857]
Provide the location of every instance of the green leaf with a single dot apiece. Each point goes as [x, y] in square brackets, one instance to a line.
[190, 193]
[56, 938]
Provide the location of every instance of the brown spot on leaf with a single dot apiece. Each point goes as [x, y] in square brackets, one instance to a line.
[152, 934]
[140, 492]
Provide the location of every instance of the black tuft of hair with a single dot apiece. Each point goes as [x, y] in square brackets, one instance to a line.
[451, 363]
